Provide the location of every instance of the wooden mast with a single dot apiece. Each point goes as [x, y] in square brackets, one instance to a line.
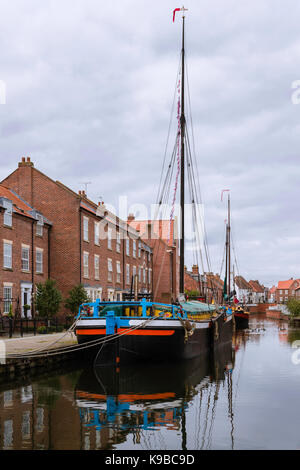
[229, 260]
[182, 134]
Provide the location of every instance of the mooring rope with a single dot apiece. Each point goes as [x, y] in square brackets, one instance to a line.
[77, 347]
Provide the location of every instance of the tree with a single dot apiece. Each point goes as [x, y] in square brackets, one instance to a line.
[293, 307]
[77, 296]
[48, 298]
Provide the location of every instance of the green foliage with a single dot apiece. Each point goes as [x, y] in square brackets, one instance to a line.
[42, 330]
[293, 307]
[10, 313]
[77, 296]
[48, 299]
[193, 293]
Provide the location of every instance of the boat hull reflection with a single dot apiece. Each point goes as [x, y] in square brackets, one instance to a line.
[132, 398]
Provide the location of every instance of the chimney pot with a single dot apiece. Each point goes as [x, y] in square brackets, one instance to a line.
[23, 159]
[130, 217]
[28, 159]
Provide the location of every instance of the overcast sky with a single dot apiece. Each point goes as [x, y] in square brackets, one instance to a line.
[89, 91]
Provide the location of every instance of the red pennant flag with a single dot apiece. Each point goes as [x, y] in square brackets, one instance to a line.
[176, 9]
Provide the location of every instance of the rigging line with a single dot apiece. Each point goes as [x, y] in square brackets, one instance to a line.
[213, 287]
[164, 200]
[170, 166]
[197, 436]
[224, 251]
[196, 200]
[213, 414]
[230, 410]
[170, 123]
[206, 416]
[197, 245]
[234, 250]
[192, 130]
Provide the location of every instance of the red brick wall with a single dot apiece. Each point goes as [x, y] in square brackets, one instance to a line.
[62, 209]
[21, 233]
[190, 283]
[106, 253]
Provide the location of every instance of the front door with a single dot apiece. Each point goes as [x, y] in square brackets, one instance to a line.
[26, 299]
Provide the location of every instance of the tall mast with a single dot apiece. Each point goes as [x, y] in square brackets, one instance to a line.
[182, 133]
[229, 261]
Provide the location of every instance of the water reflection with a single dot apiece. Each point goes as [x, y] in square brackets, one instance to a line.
[147, 398]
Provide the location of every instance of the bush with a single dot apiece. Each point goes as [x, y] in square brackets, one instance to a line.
[42, 330]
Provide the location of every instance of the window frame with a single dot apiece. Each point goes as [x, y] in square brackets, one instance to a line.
[97, 233]
[85, 228]
[7, 244]
[109, 270]
[86, 264]
[39, 230]
[23, 259]
[97, 267]
[8, 206]
[7, 299]
[118, 271]
[39, 251]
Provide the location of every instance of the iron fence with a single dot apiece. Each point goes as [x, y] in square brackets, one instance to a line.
[11, 326]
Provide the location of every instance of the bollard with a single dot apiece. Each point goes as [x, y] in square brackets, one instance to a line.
[34, 326]
[21, 327]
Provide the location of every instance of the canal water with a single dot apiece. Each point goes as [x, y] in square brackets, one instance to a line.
[245, 395]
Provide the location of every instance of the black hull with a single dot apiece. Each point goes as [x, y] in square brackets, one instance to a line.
[241, 322]
[128, 349]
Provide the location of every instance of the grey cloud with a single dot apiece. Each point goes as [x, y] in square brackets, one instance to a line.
[89, 92]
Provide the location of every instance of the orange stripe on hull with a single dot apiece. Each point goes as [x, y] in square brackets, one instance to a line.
[128, 397]
[147, 332]
[91, 332]
[130, 332]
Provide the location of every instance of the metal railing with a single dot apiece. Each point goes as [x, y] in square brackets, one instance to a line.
[11, 326]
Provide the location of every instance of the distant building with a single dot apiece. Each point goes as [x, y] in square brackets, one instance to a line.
[272, 295]
[243, 290]
[286, 290]
[258, 292]
[193, 281]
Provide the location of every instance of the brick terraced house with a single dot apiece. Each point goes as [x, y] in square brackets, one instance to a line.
[209, 285]
[88, 244]
[162, 237]
[24, 253]
[286, 290]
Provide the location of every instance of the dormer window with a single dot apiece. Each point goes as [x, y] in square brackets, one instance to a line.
[39, 225]
[8, 212]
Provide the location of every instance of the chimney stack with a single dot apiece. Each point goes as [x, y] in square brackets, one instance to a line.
[195, 269]
[25, 162]
[130, 217]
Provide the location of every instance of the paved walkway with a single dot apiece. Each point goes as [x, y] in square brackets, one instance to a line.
[30, 343]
